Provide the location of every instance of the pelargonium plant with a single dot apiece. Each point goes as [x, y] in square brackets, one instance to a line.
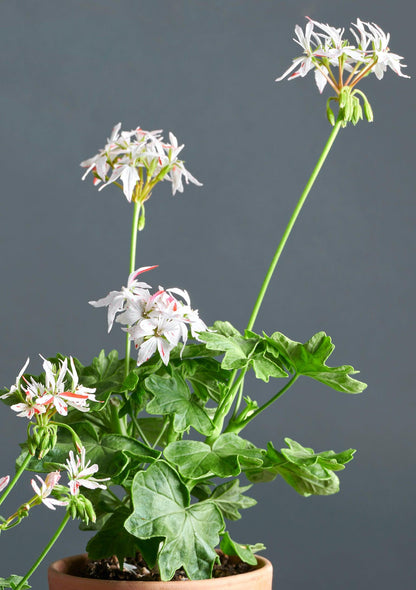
[151, 446]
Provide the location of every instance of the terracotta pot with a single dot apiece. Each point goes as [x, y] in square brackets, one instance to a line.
[62, 575]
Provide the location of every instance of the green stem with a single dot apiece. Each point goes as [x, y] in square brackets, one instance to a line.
[162, 432]
[228, 400]
[291, 223]
[139, 429]
[16, 477]
[44, 552]
[238, 426]
[133, 247]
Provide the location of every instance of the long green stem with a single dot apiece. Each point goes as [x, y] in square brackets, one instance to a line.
[44, 552]
[291, 223]
[16, 477]
[133, 247]
[228, 401]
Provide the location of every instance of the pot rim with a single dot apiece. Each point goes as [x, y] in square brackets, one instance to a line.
[58, 568]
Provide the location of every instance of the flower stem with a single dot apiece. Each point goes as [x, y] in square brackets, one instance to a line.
[224, 408]
[16, 477]
[291, 223]
[44, 552]
[133, 246]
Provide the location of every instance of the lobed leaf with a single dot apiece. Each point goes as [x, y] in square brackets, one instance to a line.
[161, 508]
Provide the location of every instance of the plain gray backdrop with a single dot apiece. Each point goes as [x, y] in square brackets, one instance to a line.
[205, 70]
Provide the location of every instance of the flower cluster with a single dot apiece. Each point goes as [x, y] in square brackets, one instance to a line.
[127, 155]
[154, 322]
[53, 396]
[324, 47]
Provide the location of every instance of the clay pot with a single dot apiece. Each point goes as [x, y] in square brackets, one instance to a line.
[62, 575]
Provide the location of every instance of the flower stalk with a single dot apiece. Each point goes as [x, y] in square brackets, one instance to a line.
[44, 553]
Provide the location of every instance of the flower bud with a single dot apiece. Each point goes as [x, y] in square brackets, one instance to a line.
[330, 114]
[357, 111]
[368, 111]
[82, 508]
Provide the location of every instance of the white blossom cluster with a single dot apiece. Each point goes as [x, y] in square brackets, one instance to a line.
[55, 394]
[324, 47]
[154, 322]
[128, 154]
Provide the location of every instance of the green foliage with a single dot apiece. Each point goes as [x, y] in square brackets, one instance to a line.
[196, 459]
[244, 351]
[309, 473]
[229, 498]
[244, 552]
[172, 396]
[105, 373]
[162, 508]
[113, 539]
[309, 359]
[12, 582]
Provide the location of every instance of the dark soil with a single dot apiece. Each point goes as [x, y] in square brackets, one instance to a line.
[108, 569]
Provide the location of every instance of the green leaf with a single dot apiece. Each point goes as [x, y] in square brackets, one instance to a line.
[152, 428]
[244, 552]
[206, 377]
[229, 497]
[196, 459]
[309, 359]
[106, 374]
[113, 539]
[172, 396]
[162, 508]
[309, 473]
[12, 582]
[227, 339]
[265, 368]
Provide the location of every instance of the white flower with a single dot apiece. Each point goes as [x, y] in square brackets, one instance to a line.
[379, 40]
[99, 163]
[129, 151]
[81, 473]
[116, 300]
[305, 63]
[16, 386]
[155, 322]
[4, 482]
[46, 489]
[327, 48]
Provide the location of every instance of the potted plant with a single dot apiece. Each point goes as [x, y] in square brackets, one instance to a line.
[153, 444]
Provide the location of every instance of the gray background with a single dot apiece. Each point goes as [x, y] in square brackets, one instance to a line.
[206, 70]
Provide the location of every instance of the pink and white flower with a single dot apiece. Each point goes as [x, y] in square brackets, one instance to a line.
[81, 473]
[46, 487]
[4, 482]
[56, 393]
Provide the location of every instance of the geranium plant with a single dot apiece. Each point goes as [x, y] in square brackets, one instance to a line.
[152, 444]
